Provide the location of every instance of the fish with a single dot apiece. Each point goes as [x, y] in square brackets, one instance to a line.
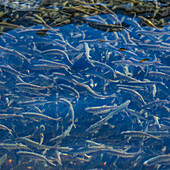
[93, 93]
[135, 95]
[31, 143]
[116, 152]
[122, 49]
[138, 134]
[42, 32]
[36, 156]
[39, 116]
[123, 154]
[63, 135]
[10, 146]
[42, 129]
[5, 128]
[9, 69]
[109, 116]
[70, 107]
[148, 22]
[157, 160]
[15, 53]
[158, 75]
[12, 26]
[106, 27]
[3, 159]
[57, 64]
[31, 86]
[101, 40]
[99, 109]
[155, 103]
[145, 59]
[124, 77]
[8, 116]
[33, 102]
[165, 69]
[71, 89]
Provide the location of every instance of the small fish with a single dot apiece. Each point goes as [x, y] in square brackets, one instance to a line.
[101, 122]
[3, 159]
[34, 144]
[33, 102]
[101, 40]
[9, 69]
[63, 135]
[93, 93]
[122, 49]
[157, 160]
[135, 113]
[7, 116]
[57, 64]
[106, 27]
[155, 103]
[35, 156]
[70, 107]
[159, 75]
[71, 90]
[138, 98]
[138, 134]
[145, 59]
[31, 86]
[124, 77]
[15, 53]
[5, 128]
[165, 69]
[42, 32]
[123, 154]
[147, 21]
[100, 109]
[116, 152]
[38, 116]
[10, 146]
[11, 26]
[42, 129]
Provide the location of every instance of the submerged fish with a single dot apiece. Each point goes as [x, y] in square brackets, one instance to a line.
[36, 156]
[161, 159]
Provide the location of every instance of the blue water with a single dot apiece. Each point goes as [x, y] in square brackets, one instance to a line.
[129, 46]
